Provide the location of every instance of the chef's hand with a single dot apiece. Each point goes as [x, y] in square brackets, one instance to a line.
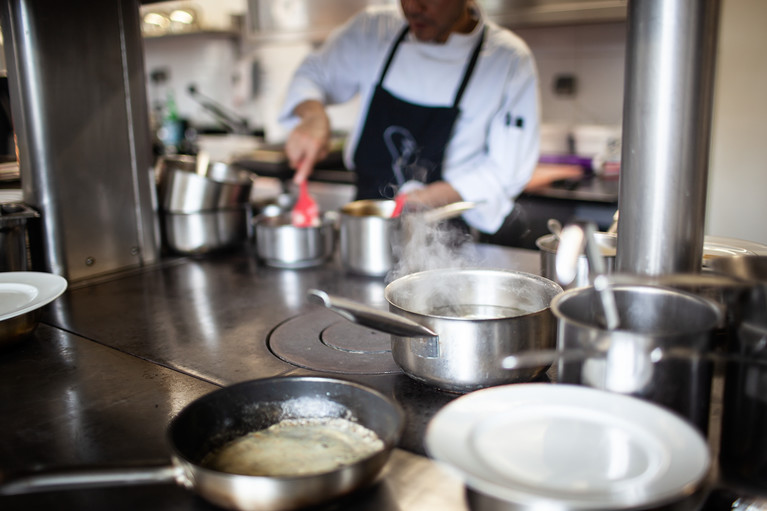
[309, 142]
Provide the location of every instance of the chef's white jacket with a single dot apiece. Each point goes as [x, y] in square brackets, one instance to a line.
[494, 148]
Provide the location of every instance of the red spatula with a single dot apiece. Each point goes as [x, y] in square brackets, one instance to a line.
[399, 204]
[305, 213]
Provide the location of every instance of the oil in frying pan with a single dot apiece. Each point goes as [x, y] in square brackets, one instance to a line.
[296, 447]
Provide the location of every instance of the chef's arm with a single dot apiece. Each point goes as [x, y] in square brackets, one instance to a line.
[309, 141]
[433, 195]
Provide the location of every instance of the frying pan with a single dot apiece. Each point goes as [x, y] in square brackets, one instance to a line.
[216, 418]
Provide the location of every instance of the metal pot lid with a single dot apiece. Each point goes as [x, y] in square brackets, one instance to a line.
[568, 446]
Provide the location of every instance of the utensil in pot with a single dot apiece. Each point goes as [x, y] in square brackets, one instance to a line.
[399, 205]
[573, 239]
[305, 212]
[480, 316]
[216, 418]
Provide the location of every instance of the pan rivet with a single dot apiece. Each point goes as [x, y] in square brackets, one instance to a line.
[89, 261]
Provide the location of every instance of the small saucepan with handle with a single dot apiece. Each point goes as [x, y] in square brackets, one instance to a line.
[450, 328]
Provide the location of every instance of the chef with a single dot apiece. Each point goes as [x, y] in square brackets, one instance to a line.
[450, 107]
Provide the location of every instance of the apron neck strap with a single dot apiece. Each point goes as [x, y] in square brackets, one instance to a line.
[470, 68]
[393, 49]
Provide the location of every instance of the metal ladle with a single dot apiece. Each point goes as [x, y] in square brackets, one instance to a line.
[572, 241]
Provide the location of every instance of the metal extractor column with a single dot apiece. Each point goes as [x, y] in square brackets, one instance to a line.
[670, 60]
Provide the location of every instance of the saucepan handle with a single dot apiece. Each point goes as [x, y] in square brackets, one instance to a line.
[382, 321]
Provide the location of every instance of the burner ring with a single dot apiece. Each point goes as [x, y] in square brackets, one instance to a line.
[351, 338]
[340, 347]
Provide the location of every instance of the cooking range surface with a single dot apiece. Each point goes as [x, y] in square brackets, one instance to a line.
[323, 341]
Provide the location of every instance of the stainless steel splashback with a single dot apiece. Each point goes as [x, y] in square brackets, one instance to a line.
[76, 78]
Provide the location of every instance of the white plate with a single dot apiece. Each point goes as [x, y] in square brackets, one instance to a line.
[25, 291]
[567, 444]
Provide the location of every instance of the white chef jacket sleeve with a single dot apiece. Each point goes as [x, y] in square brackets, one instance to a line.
[331, 73]
[495, 177]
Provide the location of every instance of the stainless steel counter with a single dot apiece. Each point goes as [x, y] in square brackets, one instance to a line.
[115, 358]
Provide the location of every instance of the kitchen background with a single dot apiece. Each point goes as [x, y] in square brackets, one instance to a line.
[234, 56]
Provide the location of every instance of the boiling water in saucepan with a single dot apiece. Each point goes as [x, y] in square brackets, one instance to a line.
[476, 311]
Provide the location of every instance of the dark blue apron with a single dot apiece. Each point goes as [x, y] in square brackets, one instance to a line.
[403, 141]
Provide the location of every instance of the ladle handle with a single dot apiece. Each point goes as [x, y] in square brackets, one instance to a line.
[368, 316]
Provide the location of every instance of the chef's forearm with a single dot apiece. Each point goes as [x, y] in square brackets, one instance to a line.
[435, 194]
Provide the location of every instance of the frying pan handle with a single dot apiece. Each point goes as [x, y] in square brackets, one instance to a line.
[90, 478]
[382, 321]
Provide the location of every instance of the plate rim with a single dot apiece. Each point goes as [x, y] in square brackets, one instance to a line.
[49, 286]
[445, 419]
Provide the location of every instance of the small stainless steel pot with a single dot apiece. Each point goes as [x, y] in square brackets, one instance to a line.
[282, 245]
[548, 244]
[650, 317]
[370, 238]
[743, 449]
[216, 418]
[479, 317]
[367, 234]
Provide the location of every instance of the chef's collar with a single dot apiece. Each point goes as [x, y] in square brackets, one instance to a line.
[457, 38]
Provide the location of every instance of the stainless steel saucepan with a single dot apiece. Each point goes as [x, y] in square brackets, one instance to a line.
[451, 328]
[228, 413]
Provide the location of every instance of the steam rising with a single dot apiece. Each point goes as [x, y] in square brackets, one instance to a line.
[424, 246]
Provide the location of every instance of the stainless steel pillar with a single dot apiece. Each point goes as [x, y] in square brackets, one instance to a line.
[670, 59]
[78, 96]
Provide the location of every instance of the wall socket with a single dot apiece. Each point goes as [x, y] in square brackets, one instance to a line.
[565, 85]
